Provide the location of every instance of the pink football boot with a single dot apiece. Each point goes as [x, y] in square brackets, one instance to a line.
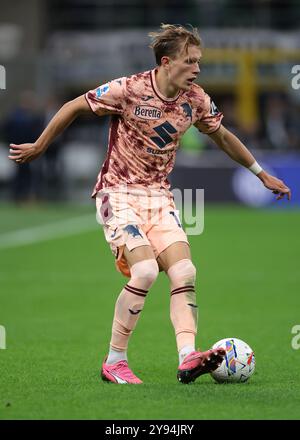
[118, 373]
[197, 363]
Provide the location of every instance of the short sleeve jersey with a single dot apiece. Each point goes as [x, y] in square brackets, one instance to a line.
[146, 128]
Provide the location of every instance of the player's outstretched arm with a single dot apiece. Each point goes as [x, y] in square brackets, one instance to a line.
[235, 149]
[62, 119]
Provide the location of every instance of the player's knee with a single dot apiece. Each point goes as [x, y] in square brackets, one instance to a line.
[181, 273]
[145, 271]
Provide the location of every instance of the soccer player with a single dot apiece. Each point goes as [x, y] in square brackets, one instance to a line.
[150, 112]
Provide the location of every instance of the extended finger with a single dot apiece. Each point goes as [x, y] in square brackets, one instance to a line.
[288, 194]
[19, 147]
[286, 191]
[15, 153]
[19, 156]
[281, 189]
[282, 194]
[12, 150]
[18, 161]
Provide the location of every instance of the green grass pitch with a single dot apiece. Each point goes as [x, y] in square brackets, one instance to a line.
[57, 299]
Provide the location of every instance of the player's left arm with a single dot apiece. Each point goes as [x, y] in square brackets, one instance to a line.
[235, 149]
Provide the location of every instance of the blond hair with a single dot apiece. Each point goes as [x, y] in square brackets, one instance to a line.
[171, 38]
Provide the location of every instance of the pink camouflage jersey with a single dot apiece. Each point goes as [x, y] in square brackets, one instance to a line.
[146, 128]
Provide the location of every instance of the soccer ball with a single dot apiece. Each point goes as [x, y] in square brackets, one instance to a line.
[238, 364]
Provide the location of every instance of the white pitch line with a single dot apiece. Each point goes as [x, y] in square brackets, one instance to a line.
[49, 231]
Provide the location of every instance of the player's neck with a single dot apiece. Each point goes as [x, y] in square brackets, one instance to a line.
[166, 89]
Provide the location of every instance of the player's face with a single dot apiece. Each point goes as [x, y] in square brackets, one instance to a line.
[184, 69]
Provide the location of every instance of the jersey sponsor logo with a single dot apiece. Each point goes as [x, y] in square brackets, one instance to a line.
[102, 90]
[158, 152]
[147, 112]
[164, 131]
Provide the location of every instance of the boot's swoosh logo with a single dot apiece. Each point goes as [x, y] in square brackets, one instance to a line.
[118, 379]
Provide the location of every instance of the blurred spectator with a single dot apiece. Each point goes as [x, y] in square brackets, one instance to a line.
[192, 142]
[294, 126]
[227, 105]
[51, 161]
[24, 124]
[276, 122]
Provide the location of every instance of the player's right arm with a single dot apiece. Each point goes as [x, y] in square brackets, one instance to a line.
[61, 120]
[104, 100]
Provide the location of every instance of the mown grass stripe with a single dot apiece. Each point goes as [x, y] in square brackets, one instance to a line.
[49, 231]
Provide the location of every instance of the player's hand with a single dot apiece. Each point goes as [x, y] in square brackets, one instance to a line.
[24, 152]
[277, 186]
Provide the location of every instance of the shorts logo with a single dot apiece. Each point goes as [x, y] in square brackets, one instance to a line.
[133, 230]
[102, 90]
[147, 112]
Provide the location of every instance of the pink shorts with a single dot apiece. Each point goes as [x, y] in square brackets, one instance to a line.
[138, 216]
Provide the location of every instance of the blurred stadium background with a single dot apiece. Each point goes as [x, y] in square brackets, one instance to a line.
[55, 50]
[58, 282]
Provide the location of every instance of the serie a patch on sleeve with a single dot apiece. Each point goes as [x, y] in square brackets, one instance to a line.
[102, 90]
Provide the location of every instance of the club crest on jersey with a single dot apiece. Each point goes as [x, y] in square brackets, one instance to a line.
[147, 112]
[102, 90]
[187, 110]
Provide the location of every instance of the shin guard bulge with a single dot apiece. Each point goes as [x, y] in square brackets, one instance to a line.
[183, 307]
[131, 302]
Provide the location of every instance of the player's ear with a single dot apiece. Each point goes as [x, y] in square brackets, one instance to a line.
[165, 61]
